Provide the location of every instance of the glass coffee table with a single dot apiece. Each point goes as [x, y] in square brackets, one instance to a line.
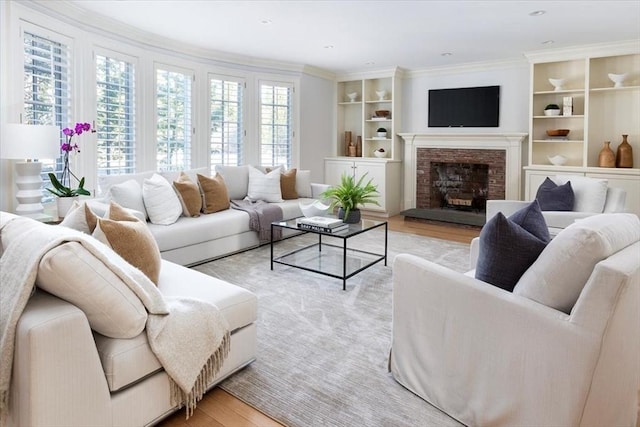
[325, 257]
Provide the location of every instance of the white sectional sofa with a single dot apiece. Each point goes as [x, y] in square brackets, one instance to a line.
[189, 240]
[67, 374]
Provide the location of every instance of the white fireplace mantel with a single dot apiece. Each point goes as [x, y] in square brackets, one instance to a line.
[510, 142]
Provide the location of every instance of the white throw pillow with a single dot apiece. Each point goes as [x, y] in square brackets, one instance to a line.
[557, 277]
[128, 195]
[71, 272]
[236, 178]
[264, 186]
[161, 201]
[303, 183]
[589, 193]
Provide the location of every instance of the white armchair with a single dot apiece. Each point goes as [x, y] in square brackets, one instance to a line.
[489, 357]
[557, 220]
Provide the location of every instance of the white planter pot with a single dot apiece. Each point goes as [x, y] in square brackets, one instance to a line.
[64, 204]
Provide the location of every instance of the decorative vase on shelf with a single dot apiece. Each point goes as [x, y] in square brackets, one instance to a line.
[606, 158]
[624, 156]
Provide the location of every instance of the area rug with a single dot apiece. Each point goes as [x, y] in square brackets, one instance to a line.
[323, 352]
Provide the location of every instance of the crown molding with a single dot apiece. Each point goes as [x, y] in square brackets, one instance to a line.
[468, 67]
[584, 51]
[371, 74]
[68, 12]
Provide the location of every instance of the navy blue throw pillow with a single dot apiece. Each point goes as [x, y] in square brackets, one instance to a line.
[508, 246]
[530, 218]
[553, 197]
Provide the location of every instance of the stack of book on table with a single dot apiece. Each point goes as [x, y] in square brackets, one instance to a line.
[322, 223]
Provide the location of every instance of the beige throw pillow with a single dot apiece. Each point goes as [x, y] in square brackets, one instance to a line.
[131, 239]
[288, 184]
[214, 191]
[189, 195]
[71, 272]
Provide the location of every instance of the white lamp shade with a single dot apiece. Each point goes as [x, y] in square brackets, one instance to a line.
[21, 141]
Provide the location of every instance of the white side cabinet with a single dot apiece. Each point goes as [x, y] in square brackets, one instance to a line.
[385, 174]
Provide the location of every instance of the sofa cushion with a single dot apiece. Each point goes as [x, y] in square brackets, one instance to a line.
[590, 194]
[303, 183]
[508, 246]
[171, 176]
[161, 201]
[129, 195]
[189, 195]
[236, 179]
[554, 197]
[190, 231]
[126, 361]
[557, 277]
[74, 274]
[80, 217]
[131, 239]
[264, 186]
[214, 193]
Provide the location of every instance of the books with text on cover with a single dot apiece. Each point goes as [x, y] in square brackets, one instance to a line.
[311, 227]
[321, 221]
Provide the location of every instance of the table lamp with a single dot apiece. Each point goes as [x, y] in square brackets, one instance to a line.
[20, 141]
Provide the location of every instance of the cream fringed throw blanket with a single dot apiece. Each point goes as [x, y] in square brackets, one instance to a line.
[189, 337]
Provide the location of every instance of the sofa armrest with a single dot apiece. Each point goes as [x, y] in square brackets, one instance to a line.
[317, 189]
[615, 200]
[458, 339]
[474, 252]
[507, 207]
[57, 370]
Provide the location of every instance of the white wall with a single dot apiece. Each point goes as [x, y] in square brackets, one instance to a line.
[317, 114]
[513, 79]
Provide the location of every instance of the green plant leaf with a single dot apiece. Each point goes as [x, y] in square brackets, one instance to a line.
[351, 194]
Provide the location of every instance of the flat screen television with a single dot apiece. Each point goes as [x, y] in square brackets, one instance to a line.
[464, 107]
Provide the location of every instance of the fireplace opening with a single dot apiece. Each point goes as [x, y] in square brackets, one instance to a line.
[459, 186]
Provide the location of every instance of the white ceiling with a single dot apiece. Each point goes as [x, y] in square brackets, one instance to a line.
[377, 34]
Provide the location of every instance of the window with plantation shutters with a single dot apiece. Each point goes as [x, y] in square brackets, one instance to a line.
[226, 131]
[276, 127]
[173, 115]
[115, 116]
[47, 99]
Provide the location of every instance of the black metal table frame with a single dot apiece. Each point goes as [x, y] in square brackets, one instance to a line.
[344, 276]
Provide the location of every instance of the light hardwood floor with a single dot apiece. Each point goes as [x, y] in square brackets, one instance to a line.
[220, 409]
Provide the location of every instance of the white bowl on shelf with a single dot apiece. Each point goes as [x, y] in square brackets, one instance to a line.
[618, 79]
[380, 154]
[557, 83]
[352, 96]
[557, 160]
[381, 94]
[552, 112]
[315, 208]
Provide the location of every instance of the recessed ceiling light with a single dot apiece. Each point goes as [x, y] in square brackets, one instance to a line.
[537, 12]
[266, 21]
[446, 54]
[548, 42]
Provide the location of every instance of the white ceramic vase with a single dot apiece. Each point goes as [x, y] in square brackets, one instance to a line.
[64, 204]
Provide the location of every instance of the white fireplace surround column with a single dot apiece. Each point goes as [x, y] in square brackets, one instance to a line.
[511, 143]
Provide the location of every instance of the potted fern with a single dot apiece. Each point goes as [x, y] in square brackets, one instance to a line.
[349, 195]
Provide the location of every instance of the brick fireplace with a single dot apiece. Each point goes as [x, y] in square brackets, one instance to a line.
[449, 177]
[499, 154]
